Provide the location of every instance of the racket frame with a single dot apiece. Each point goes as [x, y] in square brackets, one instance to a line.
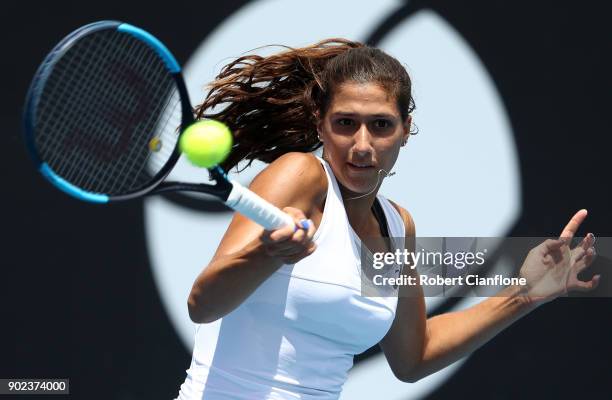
[230, 192]
[221, 189]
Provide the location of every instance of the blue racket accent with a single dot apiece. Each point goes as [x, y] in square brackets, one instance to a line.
[161, 49]
[220, 171]
[70, 188]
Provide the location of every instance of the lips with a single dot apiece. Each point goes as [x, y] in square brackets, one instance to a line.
[359, 166]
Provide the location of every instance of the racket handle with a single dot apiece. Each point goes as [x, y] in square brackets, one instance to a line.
[255, 208]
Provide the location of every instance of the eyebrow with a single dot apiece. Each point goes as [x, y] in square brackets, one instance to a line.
[352, 114]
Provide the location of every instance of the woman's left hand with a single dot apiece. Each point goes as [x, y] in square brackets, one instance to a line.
[551, 268]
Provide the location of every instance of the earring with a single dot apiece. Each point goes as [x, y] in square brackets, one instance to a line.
[404, 142]
[319, 137]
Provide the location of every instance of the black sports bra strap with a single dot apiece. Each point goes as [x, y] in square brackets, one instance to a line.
[380, 217]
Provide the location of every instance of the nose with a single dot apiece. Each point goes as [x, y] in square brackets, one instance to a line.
[363, 144]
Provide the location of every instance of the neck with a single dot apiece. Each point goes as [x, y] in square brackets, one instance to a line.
[358, 210]
[358, 206]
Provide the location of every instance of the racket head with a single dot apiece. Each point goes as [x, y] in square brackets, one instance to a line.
[104, 113]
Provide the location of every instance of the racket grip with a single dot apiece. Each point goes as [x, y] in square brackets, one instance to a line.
[255, 208]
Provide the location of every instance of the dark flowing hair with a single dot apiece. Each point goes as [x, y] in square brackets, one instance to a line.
[271, 103]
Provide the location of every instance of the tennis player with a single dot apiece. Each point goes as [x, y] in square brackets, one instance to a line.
[290, 299]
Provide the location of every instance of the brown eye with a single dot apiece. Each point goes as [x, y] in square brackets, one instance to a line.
[345, 122]
[382, 124]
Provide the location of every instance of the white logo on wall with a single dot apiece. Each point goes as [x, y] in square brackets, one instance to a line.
[458, 177]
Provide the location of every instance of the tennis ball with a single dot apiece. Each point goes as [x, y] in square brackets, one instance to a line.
[206, 143]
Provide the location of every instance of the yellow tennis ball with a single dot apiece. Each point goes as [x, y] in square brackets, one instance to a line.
[206, 143]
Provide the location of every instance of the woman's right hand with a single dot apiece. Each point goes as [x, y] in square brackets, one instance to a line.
[290, 244]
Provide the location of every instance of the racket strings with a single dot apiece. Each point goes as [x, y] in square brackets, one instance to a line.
[76, 116]
[136, 154]
[98, 91]
[144, 165]
[109, 96]
[166, 134]
[171, 117]
[56, 87]
[138, 162]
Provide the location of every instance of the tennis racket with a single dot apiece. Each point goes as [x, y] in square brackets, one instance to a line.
[104, 115]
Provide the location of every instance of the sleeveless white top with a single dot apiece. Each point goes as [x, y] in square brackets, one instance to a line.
[296, 335]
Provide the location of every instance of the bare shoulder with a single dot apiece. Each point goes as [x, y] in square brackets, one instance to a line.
[295, 179]
[303, 166]
[408, 221]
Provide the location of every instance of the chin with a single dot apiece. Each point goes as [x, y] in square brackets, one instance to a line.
[361, 182]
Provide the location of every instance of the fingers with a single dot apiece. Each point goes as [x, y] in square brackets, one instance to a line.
[551, 245]
[572, 226]
[552, 250]
[287, 232]
[588, 241]
[583, 256]
[291, 243]
[581, 250]
[286, 245]
[585, 260]
[582, 286]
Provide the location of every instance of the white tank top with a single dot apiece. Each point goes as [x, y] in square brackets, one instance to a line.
[296, 335]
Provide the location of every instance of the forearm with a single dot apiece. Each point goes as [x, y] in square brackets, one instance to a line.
[451, 336]
[227, 281]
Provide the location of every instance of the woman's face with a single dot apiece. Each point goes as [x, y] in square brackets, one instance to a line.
[362, 132]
